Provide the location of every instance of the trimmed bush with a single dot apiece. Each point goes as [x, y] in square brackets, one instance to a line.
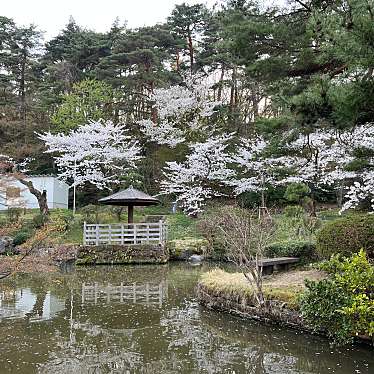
[346, 236]
[303, 249]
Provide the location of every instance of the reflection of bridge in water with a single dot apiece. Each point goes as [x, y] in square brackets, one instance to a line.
[144, 293]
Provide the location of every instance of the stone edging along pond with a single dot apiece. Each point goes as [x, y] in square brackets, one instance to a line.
[243, 306]
[117, 254]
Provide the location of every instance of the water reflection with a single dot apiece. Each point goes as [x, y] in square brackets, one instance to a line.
[146, 293]
[23, 302]
[146, 320]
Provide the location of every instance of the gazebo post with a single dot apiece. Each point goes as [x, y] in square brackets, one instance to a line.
[130, 214]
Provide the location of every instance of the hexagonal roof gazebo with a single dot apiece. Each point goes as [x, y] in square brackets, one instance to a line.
[130, 197]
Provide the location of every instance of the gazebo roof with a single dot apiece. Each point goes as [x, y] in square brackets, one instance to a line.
[130, 196]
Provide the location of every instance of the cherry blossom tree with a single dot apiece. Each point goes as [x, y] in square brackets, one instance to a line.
[320, 159]
[98, 153]
[361, 139]
[183, 112]
[201, 176]
[256, 170]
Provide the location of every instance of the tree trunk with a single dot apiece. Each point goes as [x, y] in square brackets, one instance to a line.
[220, 86]
[255, 102]
[40, 196]
[313, 210]
[190, 49]
[22, 93]
[178, 61]
[340, 195]
[233, 90]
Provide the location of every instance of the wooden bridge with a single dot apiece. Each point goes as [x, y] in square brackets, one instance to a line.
[125, 234]
[146, 293]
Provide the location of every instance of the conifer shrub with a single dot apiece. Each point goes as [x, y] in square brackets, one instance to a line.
[21, 237]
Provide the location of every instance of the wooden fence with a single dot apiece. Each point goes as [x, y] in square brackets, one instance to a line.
[147, 293]
[124, 234]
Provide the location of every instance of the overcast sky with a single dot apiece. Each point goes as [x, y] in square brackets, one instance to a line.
[52, 15]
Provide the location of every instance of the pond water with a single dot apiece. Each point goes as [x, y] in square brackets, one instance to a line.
[145, 319]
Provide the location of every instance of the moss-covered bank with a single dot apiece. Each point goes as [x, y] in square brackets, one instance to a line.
[117, 254]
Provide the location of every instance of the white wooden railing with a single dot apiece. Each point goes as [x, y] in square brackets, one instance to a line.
[147, 293]
[124, 234]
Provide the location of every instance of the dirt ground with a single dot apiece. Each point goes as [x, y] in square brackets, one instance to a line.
[294, 277]
[29, 264]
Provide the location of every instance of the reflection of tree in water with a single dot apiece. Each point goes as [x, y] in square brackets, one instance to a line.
[37, 309]
[281, 350]
[190, 339]
[175, 337]
[101, 339]
[91, 348]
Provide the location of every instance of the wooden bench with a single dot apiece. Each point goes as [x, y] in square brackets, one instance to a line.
[278, 263]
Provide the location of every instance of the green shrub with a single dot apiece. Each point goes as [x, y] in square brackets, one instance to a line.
[303, 249]
[39, 220]
[14, 214]
[3, 221]
[62, 219]
[343, 304]
[21, 237]
[301, 227]
[346, 236]
[293, 211]
[91, 213]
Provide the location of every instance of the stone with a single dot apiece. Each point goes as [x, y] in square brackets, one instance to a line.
[6, 244]
[196, 258]
[183, 249]
[122, 254]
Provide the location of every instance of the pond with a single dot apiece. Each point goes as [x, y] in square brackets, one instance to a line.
[145, 319]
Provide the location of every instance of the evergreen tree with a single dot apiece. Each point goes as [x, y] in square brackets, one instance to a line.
[188, 22]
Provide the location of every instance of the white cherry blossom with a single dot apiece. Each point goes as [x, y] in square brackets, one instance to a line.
[98, 153]
[201, 176]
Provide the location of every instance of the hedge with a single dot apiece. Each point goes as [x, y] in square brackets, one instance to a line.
[303, 249]
[346, 236]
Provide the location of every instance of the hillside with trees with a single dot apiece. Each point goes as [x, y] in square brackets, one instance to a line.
[269, 83]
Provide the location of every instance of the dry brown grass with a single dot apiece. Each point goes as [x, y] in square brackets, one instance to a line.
[284, 287]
